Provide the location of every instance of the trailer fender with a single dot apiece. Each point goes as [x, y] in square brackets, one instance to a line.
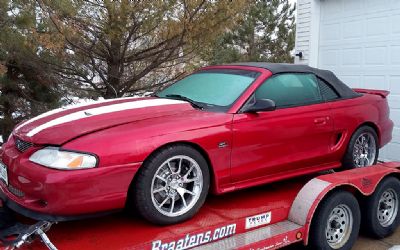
[306, 202]
[364, 180]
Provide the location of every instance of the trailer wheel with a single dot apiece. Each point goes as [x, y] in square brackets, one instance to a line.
[381, 217]
[172, 185]
[336, 222]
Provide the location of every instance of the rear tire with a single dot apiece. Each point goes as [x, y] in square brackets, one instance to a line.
[360, 153]
[381, 217]
[336, 222]
[172, 185]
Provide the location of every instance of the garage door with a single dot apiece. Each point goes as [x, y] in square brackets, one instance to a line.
[360, 41]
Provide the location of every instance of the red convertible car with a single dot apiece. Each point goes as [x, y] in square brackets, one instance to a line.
[220, 129]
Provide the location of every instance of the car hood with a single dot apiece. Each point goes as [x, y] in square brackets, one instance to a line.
[61, 125]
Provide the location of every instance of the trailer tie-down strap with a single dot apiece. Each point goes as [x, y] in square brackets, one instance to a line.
[14, 234]
[20, 234]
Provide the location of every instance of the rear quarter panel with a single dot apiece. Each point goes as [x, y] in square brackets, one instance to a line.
[350, 114]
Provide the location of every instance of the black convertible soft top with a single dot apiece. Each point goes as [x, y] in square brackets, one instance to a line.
[276, 68]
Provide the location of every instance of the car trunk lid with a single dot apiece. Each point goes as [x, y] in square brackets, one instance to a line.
[382, 93]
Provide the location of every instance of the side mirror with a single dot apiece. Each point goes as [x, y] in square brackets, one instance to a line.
[260, 105]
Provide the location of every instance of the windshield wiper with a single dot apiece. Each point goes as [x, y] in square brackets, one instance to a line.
[184, 98]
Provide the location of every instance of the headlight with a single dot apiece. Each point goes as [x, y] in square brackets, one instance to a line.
[53, 157]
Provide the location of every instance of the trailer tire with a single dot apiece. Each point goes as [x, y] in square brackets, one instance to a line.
[336, 223]
[172, 185]
[381, 217]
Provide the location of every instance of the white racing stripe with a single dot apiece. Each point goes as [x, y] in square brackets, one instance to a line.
[55, 111]
[103, 110]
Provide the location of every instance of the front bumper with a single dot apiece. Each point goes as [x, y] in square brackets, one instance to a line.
[56, 195]
[42, 216]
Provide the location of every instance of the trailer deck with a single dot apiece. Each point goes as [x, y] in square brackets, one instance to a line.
[253, 218]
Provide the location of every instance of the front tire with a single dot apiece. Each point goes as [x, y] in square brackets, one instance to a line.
[172, 185]
[336, 222]
[381, 217]
[363, 149]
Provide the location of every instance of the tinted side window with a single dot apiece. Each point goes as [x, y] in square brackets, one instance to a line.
[327, 92]
[290, 90]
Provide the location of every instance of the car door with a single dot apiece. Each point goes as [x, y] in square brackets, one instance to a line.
[294, 136]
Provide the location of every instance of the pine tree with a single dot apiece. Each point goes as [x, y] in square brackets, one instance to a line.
[27, 85]
[266, 33]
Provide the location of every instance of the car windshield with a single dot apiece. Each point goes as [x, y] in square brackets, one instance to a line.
[210, 88]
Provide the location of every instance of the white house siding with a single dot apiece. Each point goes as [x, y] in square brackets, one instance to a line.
[303, 27]
[360, 41]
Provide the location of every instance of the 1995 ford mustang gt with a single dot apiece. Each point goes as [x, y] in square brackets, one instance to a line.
[220, 129]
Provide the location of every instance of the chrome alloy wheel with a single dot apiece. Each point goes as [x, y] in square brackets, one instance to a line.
[388, 207]
[364, 150]
[176, 185]
[339, 226]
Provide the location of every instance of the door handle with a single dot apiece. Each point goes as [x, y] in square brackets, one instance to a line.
[320, 121]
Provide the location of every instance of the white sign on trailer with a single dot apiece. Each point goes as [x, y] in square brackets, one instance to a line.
[258, 220]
